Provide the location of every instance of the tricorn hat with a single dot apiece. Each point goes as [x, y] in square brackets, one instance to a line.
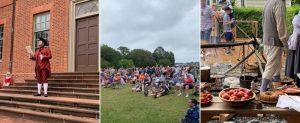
[44, 41]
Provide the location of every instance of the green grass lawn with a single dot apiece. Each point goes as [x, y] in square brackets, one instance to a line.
[123, 106]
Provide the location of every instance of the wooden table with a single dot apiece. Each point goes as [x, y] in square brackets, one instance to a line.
[218, 107]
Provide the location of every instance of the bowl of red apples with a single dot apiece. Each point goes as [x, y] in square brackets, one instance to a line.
[237, 96]
[205, 98]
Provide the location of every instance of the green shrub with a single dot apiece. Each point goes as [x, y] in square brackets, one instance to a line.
[255, 14]
[295, 2]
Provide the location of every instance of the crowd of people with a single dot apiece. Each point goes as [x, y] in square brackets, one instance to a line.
[211, 18]
[154, 81]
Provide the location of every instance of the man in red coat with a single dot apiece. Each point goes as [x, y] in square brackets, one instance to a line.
[42, 57]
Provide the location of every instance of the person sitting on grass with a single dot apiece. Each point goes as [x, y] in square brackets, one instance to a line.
[147, 80]
[192, 114]
[158, 92]
[179, 84]
[137, 87]
[116, 80]
[134, 79]
[156, 80]
[188, 84]
[122, 82]
[105, 80]
[162, 78]
[142, 80]
[152, 92]
[7, 80]
[162, 91]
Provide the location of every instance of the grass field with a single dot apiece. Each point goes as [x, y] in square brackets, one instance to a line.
[123, 106]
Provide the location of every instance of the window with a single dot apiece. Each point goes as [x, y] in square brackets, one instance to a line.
[41, 27]
[1, 40]
[86, 8]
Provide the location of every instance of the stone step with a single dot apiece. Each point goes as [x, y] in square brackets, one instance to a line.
[75, 73]
[54, 93]
[52, 109]
[74, 77]
[51, 117]
[58, 84]
[56, 101]
[58, 89]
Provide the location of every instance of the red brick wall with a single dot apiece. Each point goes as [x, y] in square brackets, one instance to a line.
[5, 19]
[23, 68]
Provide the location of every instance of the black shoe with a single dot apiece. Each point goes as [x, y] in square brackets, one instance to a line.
[37, 94]
[45, 95]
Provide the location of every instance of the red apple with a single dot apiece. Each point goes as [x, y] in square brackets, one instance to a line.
[226, 96]
[209, 97]
[235, 94]
[202, 99]
[243, 98]
[248, 92]
[231, 92]
[222, 92]
[233, 98]
[240, 94]
[243, 89]
[246, 96]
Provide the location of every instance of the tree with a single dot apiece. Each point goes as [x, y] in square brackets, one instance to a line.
[104, 63]
[165, 62]
[142, 58]
[160, 54]
[125, 63]
[295, 2]
[110, 55]
[170, 57]
[124, 51]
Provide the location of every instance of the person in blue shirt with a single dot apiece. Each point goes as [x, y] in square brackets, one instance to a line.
[227, 28]
[192, 114]
[162, 77]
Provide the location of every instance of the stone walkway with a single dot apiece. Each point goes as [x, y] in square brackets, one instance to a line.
[12, 119]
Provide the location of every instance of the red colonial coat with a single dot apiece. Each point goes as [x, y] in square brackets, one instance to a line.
[45, 62]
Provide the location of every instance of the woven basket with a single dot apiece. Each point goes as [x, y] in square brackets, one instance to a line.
[236, 103]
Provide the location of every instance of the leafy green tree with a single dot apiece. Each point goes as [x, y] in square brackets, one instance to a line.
[160, 54]
[124, 51]
[142, 58]
[295, 2]
[171, 58]
[104, 63]
[111, 55]
[125, 63]
[165, 62]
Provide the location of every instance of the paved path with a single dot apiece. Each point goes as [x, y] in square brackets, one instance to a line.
[12, 119]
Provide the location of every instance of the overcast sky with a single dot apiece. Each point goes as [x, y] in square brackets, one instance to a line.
[147, 24]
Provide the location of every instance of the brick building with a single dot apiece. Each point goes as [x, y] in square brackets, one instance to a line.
[71, 26]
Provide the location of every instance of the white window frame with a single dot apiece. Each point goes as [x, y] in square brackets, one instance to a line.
[42, 19]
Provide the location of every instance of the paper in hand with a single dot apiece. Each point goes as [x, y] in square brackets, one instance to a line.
[29, 50]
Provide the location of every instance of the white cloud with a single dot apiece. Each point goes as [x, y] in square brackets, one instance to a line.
[147, 24]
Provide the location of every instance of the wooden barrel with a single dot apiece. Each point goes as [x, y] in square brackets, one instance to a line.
[205, 74]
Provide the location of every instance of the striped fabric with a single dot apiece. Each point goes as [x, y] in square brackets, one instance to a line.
[206, 18]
